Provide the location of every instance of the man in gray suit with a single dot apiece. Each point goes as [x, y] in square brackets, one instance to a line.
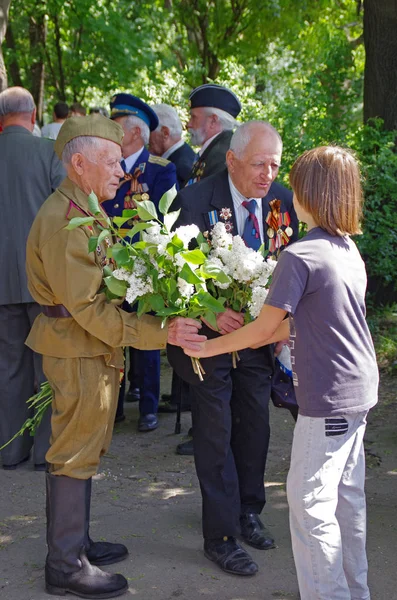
[29, 172]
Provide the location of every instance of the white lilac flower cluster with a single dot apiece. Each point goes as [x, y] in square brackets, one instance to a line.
[139, 280]
[244, 265]
[139, 283]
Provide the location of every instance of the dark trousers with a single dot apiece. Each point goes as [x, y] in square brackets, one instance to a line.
[20, 370]
[144, 373]
[230, 412]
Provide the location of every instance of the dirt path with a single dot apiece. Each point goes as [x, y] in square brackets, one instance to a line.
[148, 497]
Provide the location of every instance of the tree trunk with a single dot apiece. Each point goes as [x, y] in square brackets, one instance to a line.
[4, 6]
[380, 78]
[37, 37]
[13, 65]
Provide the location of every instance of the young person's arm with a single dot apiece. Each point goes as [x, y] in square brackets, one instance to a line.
[271, 326]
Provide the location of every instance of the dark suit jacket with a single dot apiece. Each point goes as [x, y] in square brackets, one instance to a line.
[183, 159]
[29, 172]
[213, 158]
[198, 202]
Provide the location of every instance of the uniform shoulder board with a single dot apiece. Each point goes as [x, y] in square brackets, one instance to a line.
[158, 160]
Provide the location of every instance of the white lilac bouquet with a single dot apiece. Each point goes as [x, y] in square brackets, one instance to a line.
[248, 270]
[159, 273]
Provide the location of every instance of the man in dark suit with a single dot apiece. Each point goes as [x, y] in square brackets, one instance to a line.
[146, 177]
[29, 172]
[213, 110]
[166, 141]
[230, 408]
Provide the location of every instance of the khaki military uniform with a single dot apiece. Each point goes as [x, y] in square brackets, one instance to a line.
[82, 353]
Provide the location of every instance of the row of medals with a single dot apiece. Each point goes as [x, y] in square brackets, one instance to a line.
[271, 233]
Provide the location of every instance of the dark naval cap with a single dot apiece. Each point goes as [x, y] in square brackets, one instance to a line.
[127, 105]
[216, 96]
[94, 125]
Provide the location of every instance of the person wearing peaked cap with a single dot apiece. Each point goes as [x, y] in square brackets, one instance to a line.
[29, 172]
[81, 335]
[213, 112]
[147, 177]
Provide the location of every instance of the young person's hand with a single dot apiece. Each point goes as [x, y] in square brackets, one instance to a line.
[201, 353]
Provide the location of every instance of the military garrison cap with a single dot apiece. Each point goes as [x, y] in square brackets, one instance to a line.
[127, 105]
[216, 96]
[94, 125]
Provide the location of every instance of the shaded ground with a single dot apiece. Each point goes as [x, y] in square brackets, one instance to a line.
[148, 497]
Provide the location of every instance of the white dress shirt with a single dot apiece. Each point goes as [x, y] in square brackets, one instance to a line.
[172, 149]
[241, 213]
[131, 160]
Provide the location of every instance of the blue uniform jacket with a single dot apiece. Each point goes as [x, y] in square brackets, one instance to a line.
[159, 175]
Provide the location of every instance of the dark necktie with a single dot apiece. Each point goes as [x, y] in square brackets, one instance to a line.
[123, 165]
[251, 234]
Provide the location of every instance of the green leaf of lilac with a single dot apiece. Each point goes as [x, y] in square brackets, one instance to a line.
[129, 213]
[156, 302]
[208, 301]
[171, 218]
[188, 275]
[78, 222]
[104, 234]
[211, 318]
[107, 271]
[166, 200]
[196, 257]
[215, 273]
[116, 286]
[120, 254]
[93, 204]
[119, 221]
[146, 210]
[139, 227]
[92, 243]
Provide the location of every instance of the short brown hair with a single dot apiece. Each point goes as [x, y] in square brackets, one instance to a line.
[327, 184]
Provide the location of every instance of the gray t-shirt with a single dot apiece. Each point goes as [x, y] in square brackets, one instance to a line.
[51, 130]
[321, 281]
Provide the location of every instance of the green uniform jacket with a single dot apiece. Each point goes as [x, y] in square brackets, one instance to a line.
[61, 271]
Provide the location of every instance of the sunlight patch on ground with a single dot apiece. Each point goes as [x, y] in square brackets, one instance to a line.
[167, 494]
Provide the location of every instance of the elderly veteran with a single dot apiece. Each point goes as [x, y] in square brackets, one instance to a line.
[81, 336]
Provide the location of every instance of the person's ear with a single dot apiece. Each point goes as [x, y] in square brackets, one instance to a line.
[33, 116]
[230, 161]
[77, 162]
[165, 132]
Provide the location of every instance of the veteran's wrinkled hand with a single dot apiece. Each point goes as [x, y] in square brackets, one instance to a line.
[184, 332]
[229, 321]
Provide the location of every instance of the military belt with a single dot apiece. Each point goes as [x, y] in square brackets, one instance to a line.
[58, 311]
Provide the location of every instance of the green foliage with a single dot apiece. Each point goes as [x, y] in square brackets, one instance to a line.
[378, 244]
[383, 326]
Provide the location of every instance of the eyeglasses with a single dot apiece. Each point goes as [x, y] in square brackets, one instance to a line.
[110, 164]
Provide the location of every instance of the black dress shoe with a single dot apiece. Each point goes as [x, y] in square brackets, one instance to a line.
[105, 553]
[133, 395]
[15, 465]
[230, 556]
[255, 533]
[119, 418]
[40, 466]
[185, 448]
[167, 407]
[148, 422]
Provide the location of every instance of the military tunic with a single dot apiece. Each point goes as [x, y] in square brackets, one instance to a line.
[82, 353]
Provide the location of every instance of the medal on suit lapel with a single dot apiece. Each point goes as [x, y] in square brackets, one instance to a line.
[279, 230]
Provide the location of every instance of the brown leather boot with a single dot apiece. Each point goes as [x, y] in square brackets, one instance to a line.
[67, 568]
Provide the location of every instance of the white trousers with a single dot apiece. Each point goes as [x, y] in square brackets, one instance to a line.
[325, 489]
